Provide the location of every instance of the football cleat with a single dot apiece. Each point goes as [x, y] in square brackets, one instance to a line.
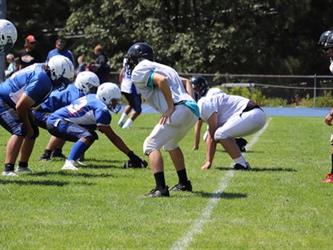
[23, 170]
[238, 166]
[182, 187]
[329, 178]
[69, 165]
[156, 192]
[9, 173]
[57, 153]
[45, 157]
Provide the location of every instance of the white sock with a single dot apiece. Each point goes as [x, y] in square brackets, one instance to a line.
[128, 123]
[240, 160]
[122, 119]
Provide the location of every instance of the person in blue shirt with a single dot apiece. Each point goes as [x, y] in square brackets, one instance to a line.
[85, 83]
[78, 121]
[60, 49]
[25, 89]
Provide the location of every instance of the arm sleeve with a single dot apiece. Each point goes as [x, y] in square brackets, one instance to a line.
[142, 75]
[38, 89]
[206, 108]
[103, 117]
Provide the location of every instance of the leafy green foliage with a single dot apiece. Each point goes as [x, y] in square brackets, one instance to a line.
[240, 36]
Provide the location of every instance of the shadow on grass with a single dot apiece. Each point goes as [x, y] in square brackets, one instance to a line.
[246, 152]
[143, 128]
[63, 173]
[94, 166]
[220, 195]
[102, 160]
[32, 182]
[262, 169]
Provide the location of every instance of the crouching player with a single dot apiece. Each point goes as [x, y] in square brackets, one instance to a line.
[229, 116]
[78, 121]
[25, 89]
[85, 83]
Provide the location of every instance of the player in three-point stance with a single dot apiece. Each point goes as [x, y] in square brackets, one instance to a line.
[228, 117]
[78, 121]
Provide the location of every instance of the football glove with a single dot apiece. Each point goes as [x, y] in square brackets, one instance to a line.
[135, 161]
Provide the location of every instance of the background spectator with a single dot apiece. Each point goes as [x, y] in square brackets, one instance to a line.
[11, 65]
[60, 49]
[29, 54]
[82, 64]
[100, 67]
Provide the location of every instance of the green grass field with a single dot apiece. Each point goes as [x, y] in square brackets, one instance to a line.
[280, 204]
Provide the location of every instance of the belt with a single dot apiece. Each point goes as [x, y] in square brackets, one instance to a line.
[251, 105]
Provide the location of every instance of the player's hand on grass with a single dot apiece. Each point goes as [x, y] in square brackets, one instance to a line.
[206, 165]
[135, 161]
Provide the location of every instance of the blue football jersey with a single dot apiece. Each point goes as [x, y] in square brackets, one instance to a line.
[61, 98]
[32, 80]
[87, 110]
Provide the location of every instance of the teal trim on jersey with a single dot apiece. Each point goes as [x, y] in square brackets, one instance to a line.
[150, 83]
[192, 105]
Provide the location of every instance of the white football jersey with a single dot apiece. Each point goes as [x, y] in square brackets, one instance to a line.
[224, 105]
[126, 83]
[142, 76]
[214, 91]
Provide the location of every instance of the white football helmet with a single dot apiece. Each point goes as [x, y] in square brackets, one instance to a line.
[87, 82]
[61, 68]
[109, 93]
[8, 33]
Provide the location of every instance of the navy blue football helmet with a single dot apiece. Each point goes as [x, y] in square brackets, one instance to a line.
[329, 41]
[323, 37]
[200, 86]
[137, 52]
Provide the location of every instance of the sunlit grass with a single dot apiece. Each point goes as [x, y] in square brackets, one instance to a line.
[280, 204]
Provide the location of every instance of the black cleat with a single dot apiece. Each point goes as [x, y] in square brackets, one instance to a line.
[182, 187]
[238, 166]
[45, 157]
[159, 192]
[58, 154]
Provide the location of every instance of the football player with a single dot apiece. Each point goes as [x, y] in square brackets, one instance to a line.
[129, 91]
[164, 90]
[201, 89]
[8, 36]
[78, 121]
[229, 116]
[326, 41]
[86, 82]
[25, 89]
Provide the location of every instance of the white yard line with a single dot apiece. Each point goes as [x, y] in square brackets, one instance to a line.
[197, 226]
